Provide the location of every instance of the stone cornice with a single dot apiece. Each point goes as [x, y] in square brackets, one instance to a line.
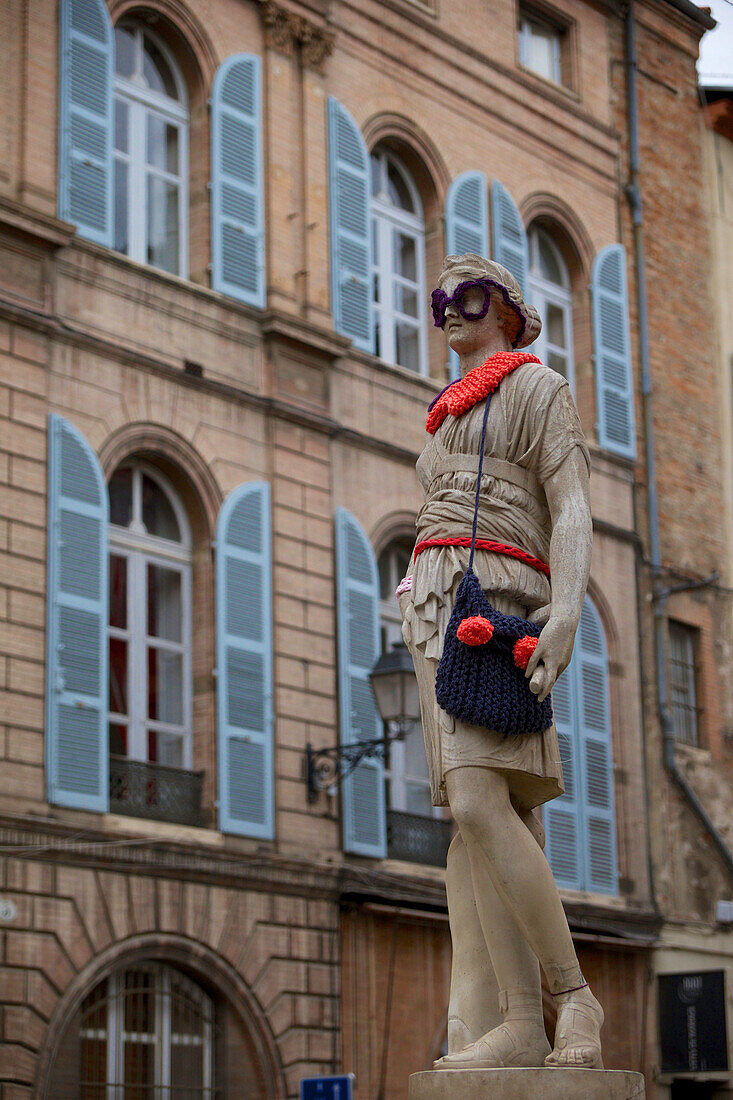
[287, 31]
[42, 229]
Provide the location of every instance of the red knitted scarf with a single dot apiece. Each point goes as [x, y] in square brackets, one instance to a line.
[462, 395]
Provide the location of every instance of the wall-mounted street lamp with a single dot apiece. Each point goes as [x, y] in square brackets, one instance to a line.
[395, 691]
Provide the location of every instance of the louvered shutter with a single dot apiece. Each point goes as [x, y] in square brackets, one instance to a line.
[237, 188]
[86, 66]
[612, 350]
[77, 752]
[466, 226]
[594, 727]
[562, 815]
[364, 813]
[244, 663]
[509, 236]
[351, 239]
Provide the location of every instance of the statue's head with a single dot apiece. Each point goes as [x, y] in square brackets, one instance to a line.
[483, 292]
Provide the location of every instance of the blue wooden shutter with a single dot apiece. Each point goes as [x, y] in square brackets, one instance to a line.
[594, 727]
[612, 351]
[466, 226]
[77, 751]
[244, 663]
[561, 816]
[237, 188]
[351, 237]
[86, 67]
[509, 235]
[357, 586]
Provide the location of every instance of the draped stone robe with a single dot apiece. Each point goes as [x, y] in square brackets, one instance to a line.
[532, 427]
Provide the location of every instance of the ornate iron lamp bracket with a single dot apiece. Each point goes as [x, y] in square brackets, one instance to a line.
[324, 767]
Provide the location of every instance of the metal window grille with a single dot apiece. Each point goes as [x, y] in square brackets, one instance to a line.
[147, 1033]
[158, 792]
[417, 839]
[682, 677]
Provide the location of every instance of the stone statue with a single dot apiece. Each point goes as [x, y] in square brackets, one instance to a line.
[506, 917]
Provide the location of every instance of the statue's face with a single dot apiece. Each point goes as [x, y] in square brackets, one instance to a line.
[466, 333]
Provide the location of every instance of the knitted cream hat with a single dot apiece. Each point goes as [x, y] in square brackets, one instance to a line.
[472, 266]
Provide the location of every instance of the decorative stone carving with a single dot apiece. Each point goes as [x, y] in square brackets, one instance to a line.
[285, 31]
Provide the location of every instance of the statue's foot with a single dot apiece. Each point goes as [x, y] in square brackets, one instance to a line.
[514, 1043]
[578, 1031]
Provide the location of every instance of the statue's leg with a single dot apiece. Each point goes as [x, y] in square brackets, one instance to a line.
[502, 852]
[473, 1007]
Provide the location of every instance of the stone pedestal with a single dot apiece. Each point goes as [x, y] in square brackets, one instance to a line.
[526, 1084]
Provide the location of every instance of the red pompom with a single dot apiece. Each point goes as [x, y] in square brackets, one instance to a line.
[523, 650]
[475, 631]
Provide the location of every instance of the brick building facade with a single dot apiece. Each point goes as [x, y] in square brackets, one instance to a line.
[208, 445]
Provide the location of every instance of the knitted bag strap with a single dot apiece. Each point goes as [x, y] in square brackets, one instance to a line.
[478, 483]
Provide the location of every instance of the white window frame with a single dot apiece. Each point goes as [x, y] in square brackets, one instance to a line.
[395, 770]
[140, 550]
[141, 102]
[386, 220]
[545, 293]
[682, 683]
[115, 1036]
[528, 25]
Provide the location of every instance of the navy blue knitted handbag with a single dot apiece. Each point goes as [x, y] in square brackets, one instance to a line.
[480, 677]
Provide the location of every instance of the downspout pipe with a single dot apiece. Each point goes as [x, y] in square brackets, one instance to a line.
[659, 591]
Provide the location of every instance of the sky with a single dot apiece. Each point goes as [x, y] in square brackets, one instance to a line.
[716, 49]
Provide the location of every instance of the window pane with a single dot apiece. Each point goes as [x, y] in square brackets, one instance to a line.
[376, 167]
[124, 52]
[165, 748]
[162, 144]
[165, 686]
[405, 256]
[93, 1069]
[117, 676]
[405, 300]
[555, 325]
[158, 515]
[415, 762]
[398, 189]
[139, 1071]
[549, 266]
[139, 1001]
[121, 207]
[418, 800]
[558, 362]
[117, 591]
[539, 49]
[407, 346]
[122, 125]
[120, 498]
[117, 739]
[157, 71]
[164, 603]
[187, 1069]
[162, 224]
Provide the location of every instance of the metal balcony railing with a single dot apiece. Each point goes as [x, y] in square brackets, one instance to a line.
[417, 839]
[157, 791]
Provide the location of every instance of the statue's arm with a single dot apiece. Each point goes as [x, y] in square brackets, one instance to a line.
[568, 497]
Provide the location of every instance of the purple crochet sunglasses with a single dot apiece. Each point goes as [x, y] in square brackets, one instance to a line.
[439, 302]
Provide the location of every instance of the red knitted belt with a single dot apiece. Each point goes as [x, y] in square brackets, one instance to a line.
[487, 544]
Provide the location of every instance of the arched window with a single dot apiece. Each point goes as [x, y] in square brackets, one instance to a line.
[150, 151]
[146, 1031]
[149, 619]
[551, 296]
[406, 769]
[398, 256]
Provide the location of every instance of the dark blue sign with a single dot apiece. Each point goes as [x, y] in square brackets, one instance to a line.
[327, 1088]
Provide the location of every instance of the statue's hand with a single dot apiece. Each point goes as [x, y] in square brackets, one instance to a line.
[541, 615]
[552, 655]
